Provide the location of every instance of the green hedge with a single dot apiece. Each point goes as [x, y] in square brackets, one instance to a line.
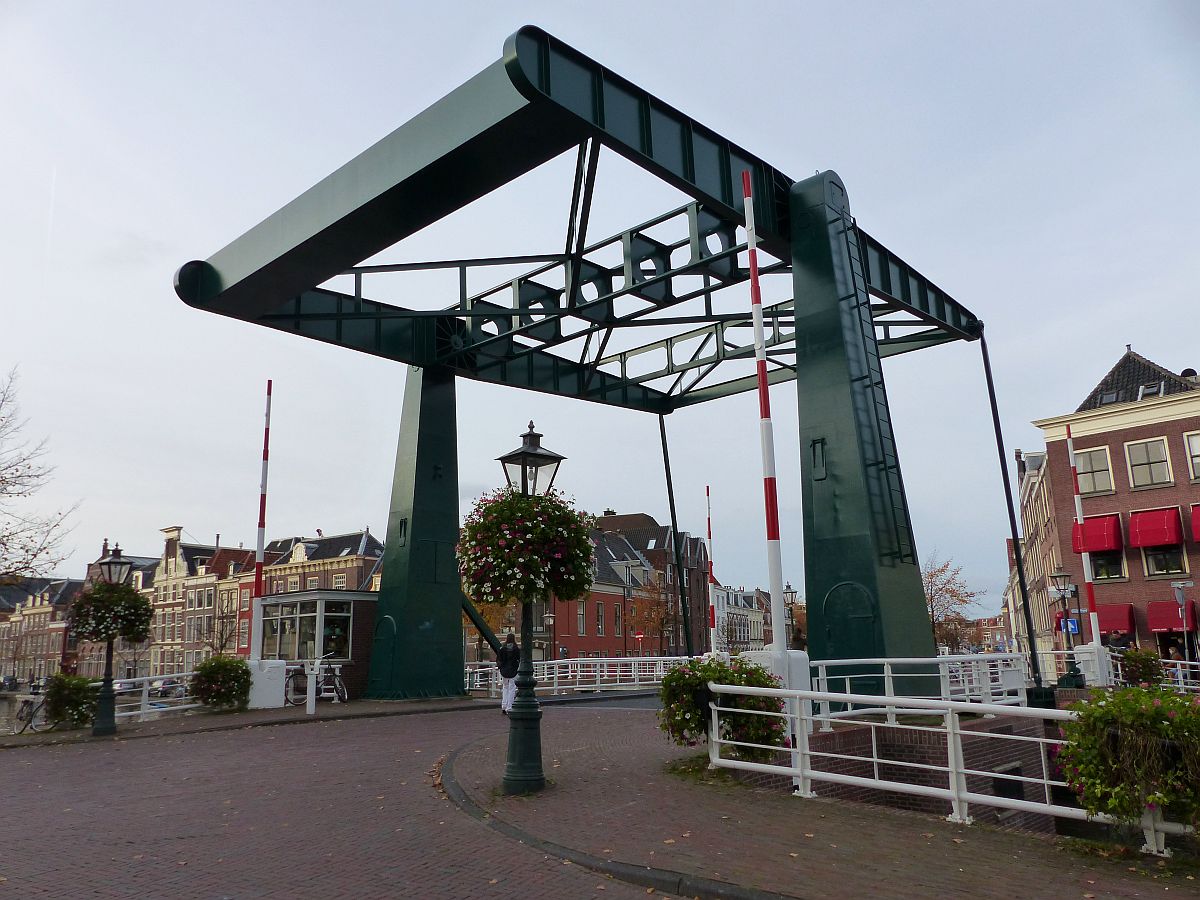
[71, 700]
[222, 682]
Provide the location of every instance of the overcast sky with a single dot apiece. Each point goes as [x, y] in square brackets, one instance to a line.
[1036, 160]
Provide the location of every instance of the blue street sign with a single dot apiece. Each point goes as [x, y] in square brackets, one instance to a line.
[1073, 626]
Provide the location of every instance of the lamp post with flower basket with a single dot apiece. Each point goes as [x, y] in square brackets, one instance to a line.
[107, 610]
[525, 542]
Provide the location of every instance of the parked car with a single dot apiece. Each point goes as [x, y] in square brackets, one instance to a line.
[9, 683]
[168, 687]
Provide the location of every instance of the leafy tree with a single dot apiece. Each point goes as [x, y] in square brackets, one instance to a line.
[30, 543]
[948, 596]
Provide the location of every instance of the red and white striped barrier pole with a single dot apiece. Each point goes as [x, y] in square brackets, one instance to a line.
[260, 549]
[712, 581]
[766, 432]
[1087, 557]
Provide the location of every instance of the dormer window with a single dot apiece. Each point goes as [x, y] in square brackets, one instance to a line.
[1153, 389]
[1109, 397]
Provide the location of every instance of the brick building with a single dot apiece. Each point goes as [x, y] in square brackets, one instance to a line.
[1137, 453]
[657, 544]
[35, 631]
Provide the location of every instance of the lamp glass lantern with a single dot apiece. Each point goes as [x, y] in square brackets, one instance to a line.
[1061, 581]
[531, 467]
[115, 568]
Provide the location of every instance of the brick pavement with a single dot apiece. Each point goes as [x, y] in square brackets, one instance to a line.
[346, 809]
[332, 809]
[611, 800]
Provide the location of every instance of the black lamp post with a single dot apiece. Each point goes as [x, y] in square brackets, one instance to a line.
[114, 569]
[531, 468]
[1065, 590]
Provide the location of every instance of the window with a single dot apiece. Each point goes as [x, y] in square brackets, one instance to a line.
[1191, 443]
[208, 598]
[580, 618]
[617, 626]
[313, 581]
[599, 618]
[245, 599]
[1153, 389]
[191, 599]
[1109, 397]
[1148, 464]
[293, 582]
[1164, 560]
[1093, 470]
[339, 581]
[1108, 565]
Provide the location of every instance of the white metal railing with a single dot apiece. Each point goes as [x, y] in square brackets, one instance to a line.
[1180, 674]
[996, 678]
[581, 673]
[153, 696]
[804, 760]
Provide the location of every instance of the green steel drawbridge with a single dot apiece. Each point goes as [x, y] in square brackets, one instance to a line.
[635, 320]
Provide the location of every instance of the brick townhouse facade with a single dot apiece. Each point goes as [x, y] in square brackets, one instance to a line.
[1137, 453]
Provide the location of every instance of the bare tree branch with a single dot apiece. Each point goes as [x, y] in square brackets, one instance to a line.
[30, 543]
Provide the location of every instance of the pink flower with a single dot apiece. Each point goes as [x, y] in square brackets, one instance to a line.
[1170, 713]
[1157, 702]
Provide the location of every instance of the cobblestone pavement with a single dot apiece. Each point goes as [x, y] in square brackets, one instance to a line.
[348, 809]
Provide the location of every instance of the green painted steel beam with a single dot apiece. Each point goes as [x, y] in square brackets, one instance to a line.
[412, 337]
[541, 98]
[418, 645]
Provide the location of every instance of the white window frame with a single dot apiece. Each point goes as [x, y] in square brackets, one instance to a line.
[599, 619]
[1193, 460]
[1108, 459]
[1183, 555]
[293, 583]
[1129, 465]
[339, 581]
[581, 618]
[312, 582]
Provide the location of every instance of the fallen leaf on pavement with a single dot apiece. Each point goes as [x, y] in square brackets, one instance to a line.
[793, 854]
[669, 841]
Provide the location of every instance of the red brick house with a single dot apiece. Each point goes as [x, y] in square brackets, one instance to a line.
[1137, 452]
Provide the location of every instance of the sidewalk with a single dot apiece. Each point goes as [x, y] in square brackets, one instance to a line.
[612, 802]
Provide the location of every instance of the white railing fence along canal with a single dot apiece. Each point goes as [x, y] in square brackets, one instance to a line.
[147, 698]
[580, 674]
[953, 771]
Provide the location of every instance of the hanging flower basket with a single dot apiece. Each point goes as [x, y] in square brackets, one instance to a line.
[105, 612]
[514, 547]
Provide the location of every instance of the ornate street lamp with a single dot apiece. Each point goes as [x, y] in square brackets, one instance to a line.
[114, 569]
[530, 468]
[1065, 591]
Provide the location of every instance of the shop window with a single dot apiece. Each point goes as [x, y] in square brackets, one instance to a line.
[1148, 463]
[1092, 467]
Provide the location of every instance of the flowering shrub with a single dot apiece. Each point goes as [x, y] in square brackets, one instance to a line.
[1135, 749]
[1141, 667]
[685, 715]
[222, 682]
[514, 547]
[71, 700]
[105, 612]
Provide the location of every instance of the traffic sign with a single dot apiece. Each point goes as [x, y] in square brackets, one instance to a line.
[638, 635]
[1070, 626]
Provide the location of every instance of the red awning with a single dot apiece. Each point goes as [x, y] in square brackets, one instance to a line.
[1155, 528]
[1115, 617]
[1163, 615]
[1100, 534]
[1196, 523]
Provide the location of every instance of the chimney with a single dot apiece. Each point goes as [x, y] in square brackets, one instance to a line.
[1189, 375]
[104, 549]
[610, 512]
[1020, 457]
[217, 544]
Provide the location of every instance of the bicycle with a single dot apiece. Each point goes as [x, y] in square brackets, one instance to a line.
[329, 684]
[33, 715]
